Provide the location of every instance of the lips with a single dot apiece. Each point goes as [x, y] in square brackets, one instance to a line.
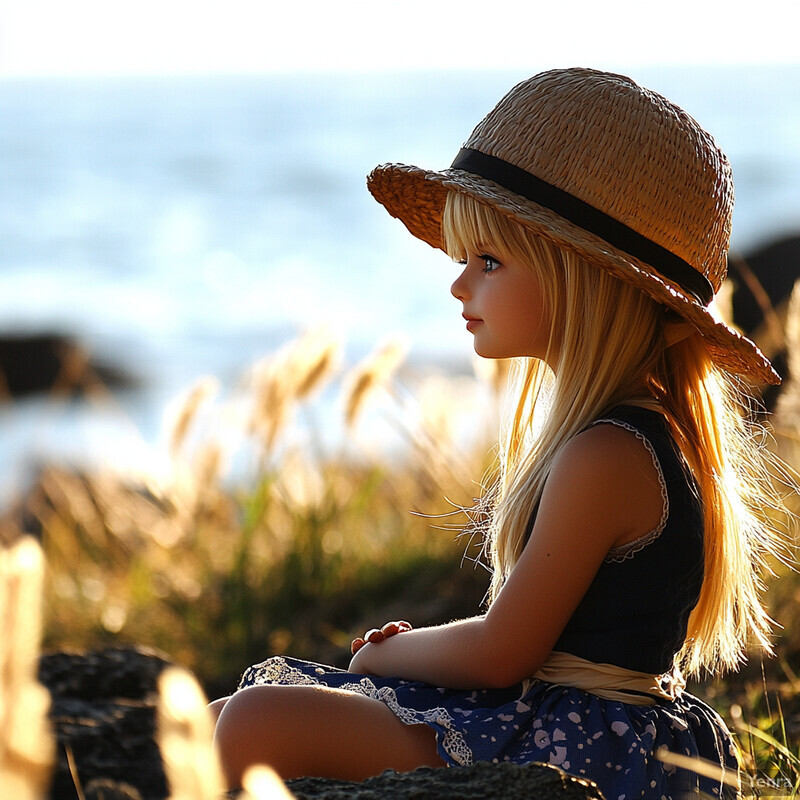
[472, 322]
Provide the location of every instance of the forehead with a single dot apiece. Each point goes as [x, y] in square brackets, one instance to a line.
[468, 225]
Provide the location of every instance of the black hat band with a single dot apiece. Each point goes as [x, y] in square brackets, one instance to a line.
[587, 217]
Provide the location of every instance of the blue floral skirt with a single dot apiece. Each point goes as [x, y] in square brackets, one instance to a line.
[611, 743]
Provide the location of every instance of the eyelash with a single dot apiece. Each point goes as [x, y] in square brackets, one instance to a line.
[487, 259]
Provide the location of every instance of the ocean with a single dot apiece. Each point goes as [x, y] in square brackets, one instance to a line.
[187, 226]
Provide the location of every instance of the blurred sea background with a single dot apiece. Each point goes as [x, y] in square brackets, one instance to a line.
[183, 226]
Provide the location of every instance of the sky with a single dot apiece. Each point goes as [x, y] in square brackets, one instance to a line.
[113, 37]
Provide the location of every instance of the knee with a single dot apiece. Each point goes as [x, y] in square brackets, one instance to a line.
[247, 709]
[215, 708]
[243, 733]
[236, 717]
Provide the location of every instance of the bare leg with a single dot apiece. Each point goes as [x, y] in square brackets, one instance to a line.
[216, 706]
[314, 730]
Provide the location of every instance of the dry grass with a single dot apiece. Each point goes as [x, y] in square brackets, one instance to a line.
[185, 734]
[26, 745]
[265, 538]
[185, 731]
[201, 558]
[294, 551]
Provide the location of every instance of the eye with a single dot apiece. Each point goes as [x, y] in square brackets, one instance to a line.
[490, 263]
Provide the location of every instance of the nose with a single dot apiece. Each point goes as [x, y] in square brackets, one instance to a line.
[459, 286]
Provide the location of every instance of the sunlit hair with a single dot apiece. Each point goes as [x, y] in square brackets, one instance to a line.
[611, 344]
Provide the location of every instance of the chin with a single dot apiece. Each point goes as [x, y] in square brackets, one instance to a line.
[483, 353]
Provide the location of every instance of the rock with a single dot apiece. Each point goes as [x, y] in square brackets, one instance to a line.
[128, 672]
[481, 781]
[764, 278]
[104, 715]
[52, 362]
[110, 790]
[776, 267]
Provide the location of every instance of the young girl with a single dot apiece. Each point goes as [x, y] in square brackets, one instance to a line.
[591, 220]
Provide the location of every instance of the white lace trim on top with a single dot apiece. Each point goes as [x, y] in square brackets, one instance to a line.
[629, 549]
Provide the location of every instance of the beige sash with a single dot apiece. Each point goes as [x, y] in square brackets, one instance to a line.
[609, 681]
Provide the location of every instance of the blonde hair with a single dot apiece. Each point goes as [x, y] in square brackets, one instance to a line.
[610, 343]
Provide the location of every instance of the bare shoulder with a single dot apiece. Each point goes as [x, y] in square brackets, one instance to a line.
[603, 490]
[610, 469]
[607, 444]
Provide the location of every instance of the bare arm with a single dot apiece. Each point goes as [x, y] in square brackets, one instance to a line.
[603, 490]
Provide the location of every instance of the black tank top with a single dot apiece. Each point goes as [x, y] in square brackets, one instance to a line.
[636, 609]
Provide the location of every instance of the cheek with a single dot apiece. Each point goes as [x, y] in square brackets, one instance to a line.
[530, 307]
[537, 320]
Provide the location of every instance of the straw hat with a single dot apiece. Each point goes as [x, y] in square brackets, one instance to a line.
[612, 171]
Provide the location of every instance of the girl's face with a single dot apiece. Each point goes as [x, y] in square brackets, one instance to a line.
[503, 306]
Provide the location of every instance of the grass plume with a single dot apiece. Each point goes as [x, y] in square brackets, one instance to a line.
[371, 375]
[185, 737]
[26, 743]
[287, 378]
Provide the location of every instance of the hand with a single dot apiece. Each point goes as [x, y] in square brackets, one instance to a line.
[376, 635]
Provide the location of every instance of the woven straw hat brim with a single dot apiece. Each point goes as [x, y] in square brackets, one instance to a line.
[417, 197]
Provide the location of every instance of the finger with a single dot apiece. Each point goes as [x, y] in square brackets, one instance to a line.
[396, 626]
[373, 636]
[356, 645]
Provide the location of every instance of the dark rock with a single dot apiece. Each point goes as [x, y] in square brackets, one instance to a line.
[104, 717]
[481, 781]
[776, 267]
[110, 790]
[131, 673]
[52, 362]
[763, 280]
